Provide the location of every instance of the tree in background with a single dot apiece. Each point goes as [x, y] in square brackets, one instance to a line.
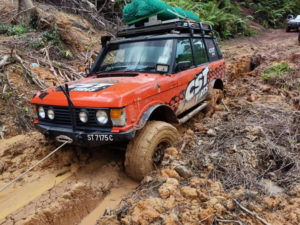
[26, 11]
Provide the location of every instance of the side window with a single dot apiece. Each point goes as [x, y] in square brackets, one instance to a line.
[219, 51]
[200, 51]
[184, 51]
[212, 51]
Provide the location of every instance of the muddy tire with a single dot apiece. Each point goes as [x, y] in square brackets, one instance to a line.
[145, 152]
[287, 29]
[214, 97]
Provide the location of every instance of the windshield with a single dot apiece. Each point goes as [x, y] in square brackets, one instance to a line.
[298, 17]
[140, 56]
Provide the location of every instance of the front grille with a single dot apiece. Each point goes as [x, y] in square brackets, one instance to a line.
[92, 118]
[63, 117]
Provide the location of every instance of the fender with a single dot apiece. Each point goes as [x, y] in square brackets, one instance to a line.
[147, 114]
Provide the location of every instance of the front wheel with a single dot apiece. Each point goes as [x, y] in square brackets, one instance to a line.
[288, 29]
[145, 152]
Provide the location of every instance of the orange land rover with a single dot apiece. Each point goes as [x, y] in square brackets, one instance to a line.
[138, 89]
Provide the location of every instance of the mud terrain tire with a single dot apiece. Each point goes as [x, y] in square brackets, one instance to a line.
[214, 97]
[141, 152]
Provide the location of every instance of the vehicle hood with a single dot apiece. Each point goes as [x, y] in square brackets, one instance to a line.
[105, 90]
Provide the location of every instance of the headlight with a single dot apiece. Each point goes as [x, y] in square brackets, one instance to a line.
[83, 116]
[118, 117]
[51, 114]
[102, 117]
[41, 112]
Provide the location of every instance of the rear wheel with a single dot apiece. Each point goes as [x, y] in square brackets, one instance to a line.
[215, 96]
[145, 152]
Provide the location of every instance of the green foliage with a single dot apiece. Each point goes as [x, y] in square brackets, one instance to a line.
[18, 29]
[276, 71]
[90, 45]
[273, 13]
[48, 37]
[6, 96]
[67, 53]
[225, 16]
[51, 36]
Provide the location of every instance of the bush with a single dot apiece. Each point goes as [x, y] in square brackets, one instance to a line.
[48, 37]
[223, 15]
[273, 13]
[277, 71]
[19, 29]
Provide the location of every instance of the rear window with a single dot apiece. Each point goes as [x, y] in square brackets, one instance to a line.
[200, 51]
[212, 50]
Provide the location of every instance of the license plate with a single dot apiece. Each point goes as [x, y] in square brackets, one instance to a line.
[100, 137]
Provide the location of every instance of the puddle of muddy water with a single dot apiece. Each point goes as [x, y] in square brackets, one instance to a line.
[125, 187]
[16, 196]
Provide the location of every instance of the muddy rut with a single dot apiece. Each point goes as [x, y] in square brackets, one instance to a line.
[63, 189]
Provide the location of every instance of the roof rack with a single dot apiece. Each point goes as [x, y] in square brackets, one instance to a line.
[168, 26]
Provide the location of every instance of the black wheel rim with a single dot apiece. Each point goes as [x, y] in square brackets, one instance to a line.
[159, 153]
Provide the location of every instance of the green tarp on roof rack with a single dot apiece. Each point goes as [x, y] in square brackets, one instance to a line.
[139, 10]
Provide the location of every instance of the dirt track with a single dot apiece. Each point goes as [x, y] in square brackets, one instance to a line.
[67, 187]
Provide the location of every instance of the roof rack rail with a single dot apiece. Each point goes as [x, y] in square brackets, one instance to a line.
[168, 26]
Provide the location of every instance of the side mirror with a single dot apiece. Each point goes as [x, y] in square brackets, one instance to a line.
[184, 65]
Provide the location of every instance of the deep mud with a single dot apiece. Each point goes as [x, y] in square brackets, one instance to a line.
[61, 190]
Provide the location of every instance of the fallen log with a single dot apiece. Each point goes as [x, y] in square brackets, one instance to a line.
[4, 61]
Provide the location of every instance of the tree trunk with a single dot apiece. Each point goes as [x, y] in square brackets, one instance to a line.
[26, 10]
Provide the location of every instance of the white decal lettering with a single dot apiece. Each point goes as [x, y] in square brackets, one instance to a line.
[199, 86]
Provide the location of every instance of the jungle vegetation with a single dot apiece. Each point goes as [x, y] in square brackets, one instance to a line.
[231, 18]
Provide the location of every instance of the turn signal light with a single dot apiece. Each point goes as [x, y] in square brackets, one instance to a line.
[116, 113]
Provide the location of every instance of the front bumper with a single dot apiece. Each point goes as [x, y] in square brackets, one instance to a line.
[85, 138]
[294, 24]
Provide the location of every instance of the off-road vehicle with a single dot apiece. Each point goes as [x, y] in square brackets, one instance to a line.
[292, 23]
[137, 91]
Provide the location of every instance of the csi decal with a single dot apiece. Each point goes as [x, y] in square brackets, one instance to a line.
[89, 87]
[199, 86]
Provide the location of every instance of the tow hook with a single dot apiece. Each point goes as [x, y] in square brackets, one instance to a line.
[79, 137]
[47, 134]
[64, 138]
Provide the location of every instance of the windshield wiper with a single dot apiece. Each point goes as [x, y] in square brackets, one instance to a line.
[145, 68]
[116, 68]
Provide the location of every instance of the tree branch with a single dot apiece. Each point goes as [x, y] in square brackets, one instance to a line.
[251, 213]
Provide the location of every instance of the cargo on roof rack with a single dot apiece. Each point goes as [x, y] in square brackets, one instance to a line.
[177, 25]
